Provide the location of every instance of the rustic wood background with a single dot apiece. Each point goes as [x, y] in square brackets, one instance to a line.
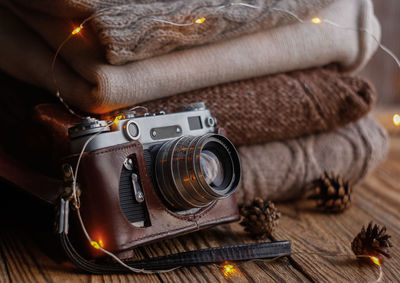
[29, 254]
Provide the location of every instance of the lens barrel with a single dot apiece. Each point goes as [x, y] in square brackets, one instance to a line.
[192, 172]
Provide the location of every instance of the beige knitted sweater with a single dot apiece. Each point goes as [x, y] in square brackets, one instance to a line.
[130, 29]
[88, 82]
[281, 170]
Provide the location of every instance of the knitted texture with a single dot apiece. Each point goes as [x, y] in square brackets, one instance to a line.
[281, 170]
[88, 82]
[276, 170]
[281, 106]
[129, 30]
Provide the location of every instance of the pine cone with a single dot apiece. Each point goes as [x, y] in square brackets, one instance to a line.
[373, 242]
[331, 192]
[259, 218]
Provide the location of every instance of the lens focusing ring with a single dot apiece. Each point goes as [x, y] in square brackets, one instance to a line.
[179, 175]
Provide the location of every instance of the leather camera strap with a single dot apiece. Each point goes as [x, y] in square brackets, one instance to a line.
[263, 250]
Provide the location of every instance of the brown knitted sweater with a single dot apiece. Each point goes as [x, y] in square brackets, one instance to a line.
[281, 106]
[89, 83]
[276, 170]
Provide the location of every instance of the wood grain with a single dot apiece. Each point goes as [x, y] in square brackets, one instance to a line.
[378, 200]
[26, 254]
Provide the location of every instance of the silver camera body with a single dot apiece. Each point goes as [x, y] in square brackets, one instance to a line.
[189, 164]
[148, 129]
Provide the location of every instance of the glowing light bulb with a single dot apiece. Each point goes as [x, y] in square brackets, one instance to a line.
[229, 270]
[396, 119]
[200, 20]
[101, 243]
[375, 260]
[77, 30]
[316, 20]
[116, 119]
[95, 244]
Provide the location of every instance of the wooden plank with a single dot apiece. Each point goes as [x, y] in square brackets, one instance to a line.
[4, 273]
[26, 263]
[24, 259]
[378, 199]
[278, 271]
[28, 251]
[29, 256]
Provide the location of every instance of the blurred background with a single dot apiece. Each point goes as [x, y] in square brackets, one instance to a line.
[382, 71]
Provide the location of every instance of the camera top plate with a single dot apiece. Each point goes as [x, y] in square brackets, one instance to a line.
[147, 129]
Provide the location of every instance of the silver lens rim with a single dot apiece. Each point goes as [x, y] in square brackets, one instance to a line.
[178, 173]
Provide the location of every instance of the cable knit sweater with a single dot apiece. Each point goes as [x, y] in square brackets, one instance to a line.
[128, 29]
[88, 82]
[281, 170]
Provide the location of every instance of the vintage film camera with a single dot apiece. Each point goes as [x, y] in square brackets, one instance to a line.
[149, 177]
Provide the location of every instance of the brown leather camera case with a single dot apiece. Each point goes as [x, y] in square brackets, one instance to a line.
[98, 178]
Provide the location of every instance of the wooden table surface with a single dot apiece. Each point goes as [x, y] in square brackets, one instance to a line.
[27, 254]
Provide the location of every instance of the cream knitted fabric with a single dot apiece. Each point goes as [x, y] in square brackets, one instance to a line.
[89, 83]
[280, 170]
[129, 30]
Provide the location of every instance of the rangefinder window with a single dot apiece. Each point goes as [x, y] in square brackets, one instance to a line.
[168, 132]
[195, 123]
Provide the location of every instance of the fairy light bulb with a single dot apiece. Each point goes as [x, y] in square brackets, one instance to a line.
[229, 270]
[396, 119]
[316, 20]
[95, 244]
[375, 260]
[200, 20]
[77, 30]
[116, 119]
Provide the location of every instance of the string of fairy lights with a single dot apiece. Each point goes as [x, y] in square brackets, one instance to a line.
[228, 269]
[231, 271]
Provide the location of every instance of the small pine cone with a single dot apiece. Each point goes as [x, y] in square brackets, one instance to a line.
[331, 193]
[372, 242]
[259, 218]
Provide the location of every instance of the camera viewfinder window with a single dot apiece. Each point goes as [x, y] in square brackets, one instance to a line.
[195, 123]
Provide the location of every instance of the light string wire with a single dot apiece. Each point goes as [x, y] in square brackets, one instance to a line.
[315, 20]
[96, 245]
[232, 269]
[318, 20]
[374, 259]
[136, 270]
[380, 45]
[53, 61]
[77, 207]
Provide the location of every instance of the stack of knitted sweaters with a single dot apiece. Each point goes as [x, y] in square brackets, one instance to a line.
[282, 86]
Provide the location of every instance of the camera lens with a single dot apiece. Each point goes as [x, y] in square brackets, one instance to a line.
[195, 171]
[211, 168]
